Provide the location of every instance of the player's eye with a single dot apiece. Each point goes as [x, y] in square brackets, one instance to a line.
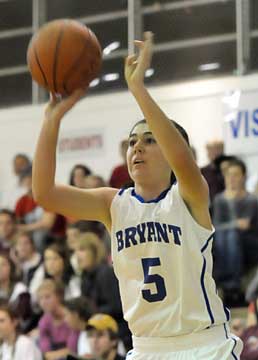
[132, 142]
[150, 140]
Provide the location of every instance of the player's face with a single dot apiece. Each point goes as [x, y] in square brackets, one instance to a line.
[146, 163]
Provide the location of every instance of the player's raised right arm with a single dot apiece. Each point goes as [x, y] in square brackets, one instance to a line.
[91, 204]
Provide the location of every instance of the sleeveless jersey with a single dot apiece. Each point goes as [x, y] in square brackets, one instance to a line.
[162, 259]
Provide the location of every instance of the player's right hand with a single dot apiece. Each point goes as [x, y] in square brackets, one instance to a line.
[58, 107]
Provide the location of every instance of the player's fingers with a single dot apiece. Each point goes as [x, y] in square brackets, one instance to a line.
[69, 102]
[146, 52]
[52, 98]
[139, 44]
[130, 59]
[148, 36]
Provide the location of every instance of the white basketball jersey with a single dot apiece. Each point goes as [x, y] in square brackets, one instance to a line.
[162, 259]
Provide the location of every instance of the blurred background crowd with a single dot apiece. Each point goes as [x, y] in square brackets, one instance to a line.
[57, 285]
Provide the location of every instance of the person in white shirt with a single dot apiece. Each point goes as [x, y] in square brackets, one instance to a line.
[14, 191]
[15, 346]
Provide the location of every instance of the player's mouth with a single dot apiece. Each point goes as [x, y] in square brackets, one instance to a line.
[138, 162]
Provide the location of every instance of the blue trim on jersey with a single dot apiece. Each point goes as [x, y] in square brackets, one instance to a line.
[207, 242]
[232, 352]
[225, 331]
[120, 192]
[204, 291]
[235, 343]
[227, 312]
[156, 200]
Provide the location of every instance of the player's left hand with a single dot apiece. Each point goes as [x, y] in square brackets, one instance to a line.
[136, 66]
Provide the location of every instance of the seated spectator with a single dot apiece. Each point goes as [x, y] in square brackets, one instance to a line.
[250, 341]
[94, 181]
[33, 218]
[7, 230]
[120, 176]
[78, 175]
[212, 172]
[56, 339]
[250, 334]
[56, 265]
[25, 257]
[237, 326]
[236, 221]
[222, 162]
[15, 190]
[15, 293]
[102, 331]
[77, 313]
[73, 234]
[14, 345]
[10, 288]
[99, 283]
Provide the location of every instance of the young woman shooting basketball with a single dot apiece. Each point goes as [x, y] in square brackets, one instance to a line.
[161, 232]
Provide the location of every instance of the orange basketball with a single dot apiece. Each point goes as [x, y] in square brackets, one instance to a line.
[64, 55]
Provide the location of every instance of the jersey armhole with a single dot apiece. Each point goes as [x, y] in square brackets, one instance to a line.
[207, 232]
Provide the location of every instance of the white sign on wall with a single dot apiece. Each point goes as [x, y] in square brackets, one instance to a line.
[81, 142]
[241, 122]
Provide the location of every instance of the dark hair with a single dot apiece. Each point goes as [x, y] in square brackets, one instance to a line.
[181, 131]
[13, 276]
[9, 309]
[80, 305]
[84, 168]
[64, 254]
[26, 172]
[177, 126]
[239, 163]
[221, 158]
[23, 156]
[10, 213]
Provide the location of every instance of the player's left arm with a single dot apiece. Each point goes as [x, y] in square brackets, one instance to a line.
[192, 186]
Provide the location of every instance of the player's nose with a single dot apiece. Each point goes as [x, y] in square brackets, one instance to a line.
[138, 147]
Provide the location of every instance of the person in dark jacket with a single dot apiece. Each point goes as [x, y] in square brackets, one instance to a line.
[99, 283]
[235, 218]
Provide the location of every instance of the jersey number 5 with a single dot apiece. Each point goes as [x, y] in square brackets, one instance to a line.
[158, 280]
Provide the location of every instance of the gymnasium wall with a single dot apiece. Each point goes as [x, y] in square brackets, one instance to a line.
[91, 132]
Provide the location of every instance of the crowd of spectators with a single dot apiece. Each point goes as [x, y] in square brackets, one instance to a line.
[234, 212]
[59, 297]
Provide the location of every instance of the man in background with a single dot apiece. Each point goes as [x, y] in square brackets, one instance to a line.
[16, 190]
[102, 330]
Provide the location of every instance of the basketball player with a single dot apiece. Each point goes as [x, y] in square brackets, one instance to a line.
[161, 231]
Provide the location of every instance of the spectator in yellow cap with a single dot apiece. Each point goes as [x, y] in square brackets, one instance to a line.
[103, 336]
